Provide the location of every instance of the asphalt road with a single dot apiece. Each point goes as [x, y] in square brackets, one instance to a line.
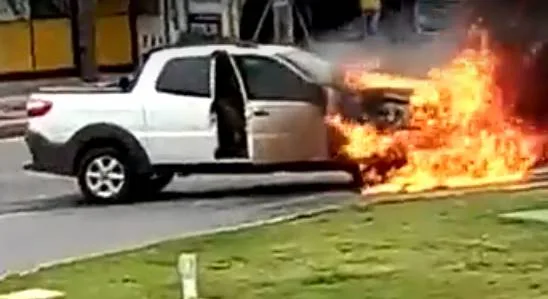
[42, 219]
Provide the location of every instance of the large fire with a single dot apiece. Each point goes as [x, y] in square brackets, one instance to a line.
[460, 134]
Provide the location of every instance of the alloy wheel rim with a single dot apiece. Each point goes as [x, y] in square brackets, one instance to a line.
[105, 176]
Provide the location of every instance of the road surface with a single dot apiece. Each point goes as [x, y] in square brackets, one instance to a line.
[42, 218]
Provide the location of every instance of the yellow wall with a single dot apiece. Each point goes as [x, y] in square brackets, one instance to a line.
[52, 44]
[112, 7]
[113, 40]
[113, 35]
[15, 47]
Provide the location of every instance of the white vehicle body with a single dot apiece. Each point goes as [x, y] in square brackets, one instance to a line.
[177, 132]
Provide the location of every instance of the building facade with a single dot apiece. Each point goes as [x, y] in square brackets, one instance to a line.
[39, 37]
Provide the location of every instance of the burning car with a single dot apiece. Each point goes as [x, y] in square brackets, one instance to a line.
[461, 131]
[214, 108]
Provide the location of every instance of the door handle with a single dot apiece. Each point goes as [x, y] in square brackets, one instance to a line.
[260, 113]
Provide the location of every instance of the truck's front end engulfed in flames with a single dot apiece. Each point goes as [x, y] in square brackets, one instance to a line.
[459, 132]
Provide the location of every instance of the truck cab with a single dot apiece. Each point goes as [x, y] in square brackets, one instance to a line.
[200, 109]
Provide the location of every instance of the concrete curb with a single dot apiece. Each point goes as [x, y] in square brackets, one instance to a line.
[233, 228]
[19, 88]
[13, 114]
[12, 128]
[435, 195]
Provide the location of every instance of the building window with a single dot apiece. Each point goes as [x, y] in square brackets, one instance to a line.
[13, 10]
[112, 7]
[50, 9]
[147, 7]
[208, 24]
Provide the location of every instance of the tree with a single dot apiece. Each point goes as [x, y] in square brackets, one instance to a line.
[86, 40]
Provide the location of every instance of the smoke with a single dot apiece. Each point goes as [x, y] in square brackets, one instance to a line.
[415, 55]
[518, 36]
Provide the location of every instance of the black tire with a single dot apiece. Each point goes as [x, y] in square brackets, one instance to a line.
[87, 166]
[159, 182]
[357, 177]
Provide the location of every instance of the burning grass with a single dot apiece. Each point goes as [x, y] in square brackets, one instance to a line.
[455, 248]
[463, 135]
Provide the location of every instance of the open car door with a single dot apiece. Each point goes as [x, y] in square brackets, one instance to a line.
[285, 114]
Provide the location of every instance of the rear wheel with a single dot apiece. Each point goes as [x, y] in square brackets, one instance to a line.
[106, 176]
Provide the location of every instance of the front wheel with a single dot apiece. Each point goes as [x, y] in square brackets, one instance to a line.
[106, 176]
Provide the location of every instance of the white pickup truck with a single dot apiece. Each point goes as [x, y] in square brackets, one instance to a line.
[224, 108]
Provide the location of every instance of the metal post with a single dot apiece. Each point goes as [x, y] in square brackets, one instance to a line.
[235, 7]
[89, 71]
[290, 34]
[283, 18]
[277, 19]
[261, 20]
[165, 15]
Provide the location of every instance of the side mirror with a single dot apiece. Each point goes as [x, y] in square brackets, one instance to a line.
[124, 83]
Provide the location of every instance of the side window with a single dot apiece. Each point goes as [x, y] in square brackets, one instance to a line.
[266, 78]
[185, 76]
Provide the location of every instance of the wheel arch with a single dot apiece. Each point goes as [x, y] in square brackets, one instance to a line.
[108, 135]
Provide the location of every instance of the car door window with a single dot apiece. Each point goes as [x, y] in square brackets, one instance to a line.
[267, 79]
[185, 76]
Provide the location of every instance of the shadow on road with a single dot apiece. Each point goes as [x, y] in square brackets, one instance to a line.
[271, 190]
[266, 192]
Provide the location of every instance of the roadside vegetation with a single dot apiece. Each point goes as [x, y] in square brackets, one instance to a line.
[450, 248]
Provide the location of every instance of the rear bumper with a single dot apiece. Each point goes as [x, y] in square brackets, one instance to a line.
[47, 157]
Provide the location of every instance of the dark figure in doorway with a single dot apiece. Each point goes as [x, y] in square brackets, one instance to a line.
[228, 107]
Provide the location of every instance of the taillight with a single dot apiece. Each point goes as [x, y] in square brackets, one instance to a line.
[38, 107]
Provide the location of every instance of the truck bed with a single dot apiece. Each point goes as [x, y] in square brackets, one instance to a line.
[96, 88]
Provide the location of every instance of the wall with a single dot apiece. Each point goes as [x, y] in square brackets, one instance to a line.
[15, 38]
[37, 35]
[113, 33]
[51, 35]
[151, 31]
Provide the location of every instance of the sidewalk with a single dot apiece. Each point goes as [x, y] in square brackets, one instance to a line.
[10, 88]
[13, 94]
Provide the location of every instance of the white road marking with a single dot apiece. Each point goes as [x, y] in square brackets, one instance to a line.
[48, 176]
[34, 294]
[10, 216]
[11, 140]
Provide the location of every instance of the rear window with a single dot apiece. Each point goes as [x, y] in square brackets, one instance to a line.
[185, 76]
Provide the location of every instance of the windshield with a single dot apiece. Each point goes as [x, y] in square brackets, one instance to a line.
[312, 65]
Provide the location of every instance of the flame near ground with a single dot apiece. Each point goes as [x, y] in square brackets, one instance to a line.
[462, 134]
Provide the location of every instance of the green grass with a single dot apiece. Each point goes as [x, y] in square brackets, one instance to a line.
[453, 248]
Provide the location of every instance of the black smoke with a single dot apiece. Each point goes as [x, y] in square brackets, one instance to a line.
[518, 31]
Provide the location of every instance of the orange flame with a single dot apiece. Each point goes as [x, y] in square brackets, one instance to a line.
[463, 136]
